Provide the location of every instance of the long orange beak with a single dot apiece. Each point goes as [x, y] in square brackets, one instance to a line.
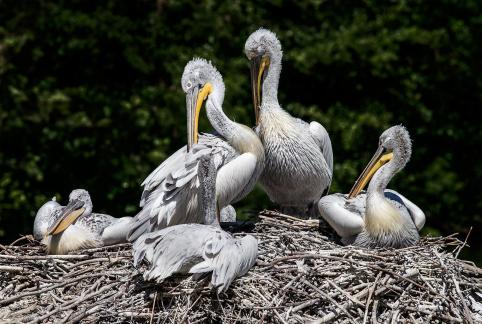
[379, 159]
[259, 66]
[194, 102]
[69, 214]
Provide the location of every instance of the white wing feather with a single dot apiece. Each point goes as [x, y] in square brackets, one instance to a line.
[196, 248]
[170, 191]
[241, 169]
[235, 258]
[320, 135]
[345, 220]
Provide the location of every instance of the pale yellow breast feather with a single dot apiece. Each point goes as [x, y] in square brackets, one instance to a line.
[381, 217]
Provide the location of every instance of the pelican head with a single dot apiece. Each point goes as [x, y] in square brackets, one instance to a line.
[199, 80]
[79, 204]
[45, 216]
[395, 146]
[263, 49]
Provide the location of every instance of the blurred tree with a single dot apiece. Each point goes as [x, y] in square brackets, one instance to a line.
[90, 93]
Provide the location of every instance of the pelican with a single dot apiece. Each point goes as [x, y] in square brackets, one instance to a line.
[196, 248]
[379, 217]
[299, 157]
[171, 190]
[69, 228]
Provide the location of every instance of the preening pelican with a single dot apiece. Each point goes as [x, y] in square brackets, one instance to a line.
[196, 248]
[171, 190]
[68, 228]
[299, 157]
[379, 217]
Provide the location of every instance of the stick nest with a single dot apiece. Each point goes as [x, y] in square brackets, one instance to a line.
[300, 276]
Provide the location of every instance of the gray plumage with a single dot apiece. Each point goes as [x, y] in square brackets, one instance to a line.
[299, 157]
[170, 194]
[228, 214]
[197, 248]
[87, 231]
[380, 217]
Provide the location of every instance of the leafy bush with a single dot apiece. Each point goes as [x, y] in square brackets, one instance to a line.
[90, 93]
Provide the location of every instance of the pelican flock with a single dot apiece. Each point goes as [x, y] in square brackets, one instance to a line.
[184, 199]
[68, 228]
[299, 157]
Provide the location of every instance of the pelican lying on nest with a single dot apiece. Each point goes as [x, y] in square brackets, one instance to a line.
[196, 248]
[69, 228]
[171, 191]
[379, 217]
[299, 157]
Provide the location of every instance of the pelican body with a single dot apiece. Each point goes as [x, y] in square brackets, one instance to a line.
[299, 157]
[197, 248]
[171, 191]
[380, 217]
[73, 227]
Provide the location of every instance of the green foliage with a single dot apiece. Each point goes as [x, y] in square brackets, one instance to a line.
[90, 93]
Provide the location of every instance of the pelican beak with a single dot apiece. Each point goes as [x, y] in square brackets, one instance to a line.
[259, 65]
[71, 212]
[380, 158]
[194, 101]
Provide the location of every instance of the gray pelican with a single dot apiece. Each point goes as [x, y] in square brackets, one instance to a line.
[197, 248]
[379, 217]
[299, 157]
[69, 228]
[171, 190]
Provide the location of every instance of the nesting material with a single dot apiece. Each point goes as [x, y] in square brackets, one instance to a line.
[300, 276]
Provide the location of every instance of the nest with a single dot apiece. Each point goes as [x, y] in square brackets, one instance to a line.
[300, 276]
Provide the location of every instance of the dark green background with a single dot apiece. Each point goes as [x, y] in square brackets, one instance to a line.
[90, 94]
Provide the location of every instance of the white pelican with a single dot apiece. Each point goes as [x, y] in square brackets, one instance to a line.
[196, 248]
[379, 217]
[299, 157]
[171, 190]
[73, 227]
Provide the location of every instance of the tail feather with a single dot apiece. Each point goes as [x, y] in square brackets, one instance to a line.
[235, 258]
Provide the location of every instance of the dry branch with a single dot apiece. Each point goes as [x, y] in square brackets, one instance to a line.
[300, 276]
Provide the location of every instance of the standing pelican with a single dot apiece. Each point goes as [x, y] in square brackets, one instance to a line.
[171, 190]
[379, 217]
[299, 157]
[73, 227]
[196, 248]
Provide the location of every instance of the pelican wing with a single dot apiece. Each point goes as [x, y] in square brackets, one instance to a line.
[196, 249]
[236, 174]
[344, 216]
[227, 258]
[321, 137]
[170, 191]
[95, 223]
[116, 232]
[175, 249]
